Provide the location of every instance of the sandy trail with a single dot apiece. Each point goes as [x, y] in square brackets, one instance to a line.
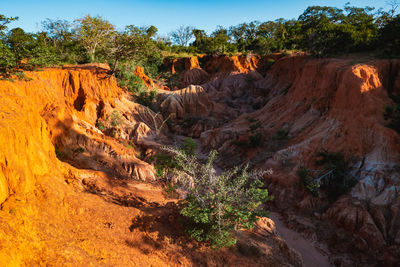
[311, 255]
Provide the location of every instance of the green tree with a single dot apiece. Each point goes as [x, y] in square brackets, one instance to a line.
[244, 35]
[329, 30]
[218, 204]
[216, 44]
[201, 40]
[43, 54]
[4, 21]
[93, 33]
[390, 37]
[338, 177]
[219, 44]
[58, 32]
[21, 44]
[7, 59]
[124, 46]
[364, 30]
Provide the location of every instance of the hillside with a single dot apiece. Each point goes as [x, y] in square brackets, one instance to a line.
[77, 187]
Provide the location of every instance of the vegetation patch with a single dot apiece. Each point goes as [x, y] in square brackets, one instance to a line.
[218, 204]
[115, 119]
[79, 150]
[392, 114]
[308, 183]
[335, 177]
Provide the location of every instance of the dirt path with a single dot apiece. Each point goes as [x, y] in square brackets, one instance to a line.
[311, 255]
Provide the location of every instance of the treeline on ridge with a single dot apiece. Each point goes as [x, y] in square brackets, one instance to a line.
[319, 30]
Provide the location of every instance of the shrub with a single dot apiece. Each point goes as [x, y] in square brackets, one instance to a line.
[7, 58]
[248, 250]
[170, 190]
[337, 179]
[190, 121]
[79, 150]
[115, 119]
[171, 80]
[255, 140]
[392, 114]
[146, 98]
[190, 146]
[282, 134]
[255, 126]
[44, 56]
[100, 126]
[218, 204]
[60, 154]
[163, 163]
[22, 76]
[306, 178]
[256, 137]
[135, 84]
[390, 37]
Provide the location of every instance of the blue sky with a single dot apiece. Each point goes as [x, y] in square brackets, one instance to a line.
[165, 15]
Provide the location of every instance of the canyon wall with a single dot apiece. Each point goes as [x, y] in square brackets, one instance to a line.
[310, 105]
[74, 189]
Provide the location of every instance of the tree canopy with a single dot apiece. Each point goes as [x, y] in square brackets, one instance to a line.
[319, 30]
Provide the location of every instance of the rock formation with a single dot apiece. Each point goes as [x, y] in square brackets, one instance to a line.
[71, 144]
[70, 189]
[314, 104]
[139, 71]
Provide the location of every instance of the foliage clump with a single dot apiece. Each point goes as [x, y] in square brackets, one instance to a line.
[190, 146]
[218, 204]
[135, 86]
[115, 119]
[307, 179]
[392, 114]
[320, 30]
[335, 178]
[338, 179]
[255, 135]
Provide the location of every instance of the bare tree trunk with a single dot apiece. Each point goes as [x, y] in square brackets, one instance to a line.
[91, 54]
[114, 68]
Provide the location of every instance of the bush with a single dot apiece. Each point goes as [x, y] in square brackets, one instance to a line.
[79, 150]
[282, 134]
[100, 125]
[7, 59]
[146, 98]
[256, 137]
[115, 119]
[163, 164]
[307, 180]
[44, 56]
[190, 146]
[392, 114]
[218, 204]
[390, 37]
[135, 84]
[255, 140]
[337, 179]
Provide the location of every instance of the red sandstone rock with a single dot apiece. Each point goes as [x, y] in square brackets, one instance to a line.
[147, 81]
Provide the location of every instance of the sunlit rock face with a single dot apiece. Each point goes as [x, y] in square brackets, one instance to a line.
[69, 132]
[330, 104]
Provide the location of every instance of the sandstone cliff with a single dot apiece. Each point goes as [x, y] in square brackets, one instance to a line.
[308, 105]
[70, 190]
